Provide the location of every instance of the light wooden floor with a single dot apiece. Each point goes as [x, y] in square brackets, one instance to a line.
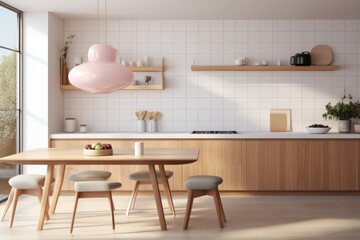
[249, 217]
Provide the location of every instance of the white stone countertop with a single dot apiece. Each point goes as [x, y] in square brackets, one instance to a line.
[188, 135]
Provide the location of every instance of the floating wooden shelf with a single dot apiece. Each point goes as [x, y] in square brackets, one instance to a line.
[160, 86]
[263, 68]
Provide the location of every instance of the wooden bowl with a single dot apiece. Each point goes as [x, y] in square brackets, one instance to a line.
[89, 152]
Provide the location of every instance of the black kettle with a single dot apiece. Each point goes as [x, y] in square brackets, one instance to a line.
[301, 59]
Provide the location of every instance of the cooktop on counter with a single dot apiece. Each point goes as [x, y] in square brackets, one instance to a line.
[214, 132]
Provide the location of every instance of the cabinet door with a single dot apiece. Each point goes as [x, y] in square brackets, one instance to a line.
[269, 165]
[217, 157]
[328, 165]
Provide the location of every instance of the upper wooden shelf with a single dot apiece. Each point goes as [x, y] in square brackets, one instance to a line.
[160, 86]
[263, 68]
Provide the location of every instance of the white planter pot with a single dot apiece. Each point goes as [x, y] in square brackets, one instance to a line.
[344, 126]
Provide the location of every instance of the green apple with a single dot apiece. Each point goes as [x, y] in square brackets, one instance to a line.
[94, 145]
[98, 147]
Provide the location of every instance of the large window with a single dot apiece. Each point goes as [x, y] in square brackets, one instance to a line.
[10, 79]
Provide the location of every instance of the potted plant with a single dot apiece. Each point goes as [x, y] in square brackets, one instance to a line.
[344, 111]
[63, 66]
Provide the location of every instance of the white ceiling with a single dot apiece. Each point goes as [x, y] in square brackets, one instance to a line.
[195, 9]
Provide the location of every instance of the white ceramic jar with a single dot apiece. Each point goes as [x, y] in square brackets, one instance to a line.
[83, 128]
[140, 126]
[70, 125]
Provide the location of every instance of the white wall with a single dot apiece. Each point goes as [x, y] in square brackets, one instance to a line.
[40, 97]
[218, 100]
[56, 96]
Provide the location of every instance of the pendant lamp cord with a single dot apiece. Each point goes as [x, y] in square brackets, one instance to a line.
[105, 24]
[97, 21]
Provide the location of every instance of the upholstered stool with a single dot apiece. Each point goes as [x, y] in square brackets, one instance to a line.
[204, 185]
[90, 175]
[94, 189]
[143, 177]
[24, 184]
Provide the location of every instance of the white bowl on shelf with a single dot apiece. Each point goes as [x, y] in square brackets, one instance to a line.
[315, 130]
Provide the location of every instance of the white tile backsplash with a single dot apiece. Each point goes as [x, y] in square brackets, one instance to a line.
[217, 100]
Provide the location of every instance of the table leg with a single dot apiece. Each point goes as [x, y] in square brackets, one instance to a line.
[156, 190]
[58, 184]
[45, 197]
[167, 189]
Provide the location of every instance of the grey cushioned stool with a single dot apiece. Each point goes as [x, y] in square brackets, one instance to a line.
[94, 189]
[90, 175]
[204, 185]
[24, 184]
[143, 177]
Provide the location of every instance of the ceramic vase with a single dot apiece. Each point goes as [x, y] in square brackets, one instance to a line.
[344, 126]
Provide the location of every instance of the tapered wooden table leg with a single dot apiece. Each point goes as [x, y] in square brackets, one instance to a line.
[58, 185]
[45, 197]
[167, 189]
[156, 190]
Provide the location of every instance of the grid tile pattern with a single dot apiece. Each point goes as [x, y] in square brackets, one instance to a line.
[217, 100]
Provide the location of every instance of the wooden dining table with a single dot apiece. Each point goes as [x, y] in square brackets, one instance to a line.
[55, 156]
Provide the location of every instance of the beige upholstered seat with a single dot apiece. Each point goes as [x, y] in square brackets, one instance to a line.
[94, 189]
[204, 185]
[90, 175]
[142, 178]
[24, 184]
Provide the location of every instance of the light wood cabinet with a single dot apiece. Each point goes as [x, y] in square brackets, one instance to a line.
[328, 165]
[269, 165]
[248, 164]
[217, 157]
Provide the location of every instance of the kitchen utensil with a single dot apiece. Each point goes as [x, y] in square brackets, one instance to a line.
[157, 115]
[142, 115]
[318, 130]
[321, 55]
[301, 59]
[137, 115]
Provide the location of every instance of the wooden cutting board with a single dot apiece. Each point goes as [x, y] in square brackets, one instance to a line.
[321, 55]
[280, 120]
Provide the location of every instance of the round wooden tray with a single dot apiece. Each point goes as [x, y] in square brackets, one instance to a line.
[89, 152]
[321, 55]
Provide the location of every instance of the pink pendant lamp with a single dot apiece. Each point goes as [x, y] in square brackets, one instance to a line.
[101, 74]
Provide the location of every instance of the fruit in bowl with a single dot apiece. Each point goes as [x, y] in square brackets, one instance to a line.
[98, 146]
[98, 149]
[318, 128]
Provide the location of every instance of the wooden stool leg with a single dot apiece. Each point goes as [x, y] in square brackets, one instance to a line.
[221, 206]
[74, 211]
[8, 202]
[188, 208]
[16, 198]
[215, 194]
[132, 198]
[111, 209]
[136, 191]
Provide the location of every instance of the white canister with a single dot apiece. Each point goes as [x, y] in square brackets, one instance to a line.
[152, 126]
[139, 148]
[140, 126]
[70, 125]
[83, 128]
